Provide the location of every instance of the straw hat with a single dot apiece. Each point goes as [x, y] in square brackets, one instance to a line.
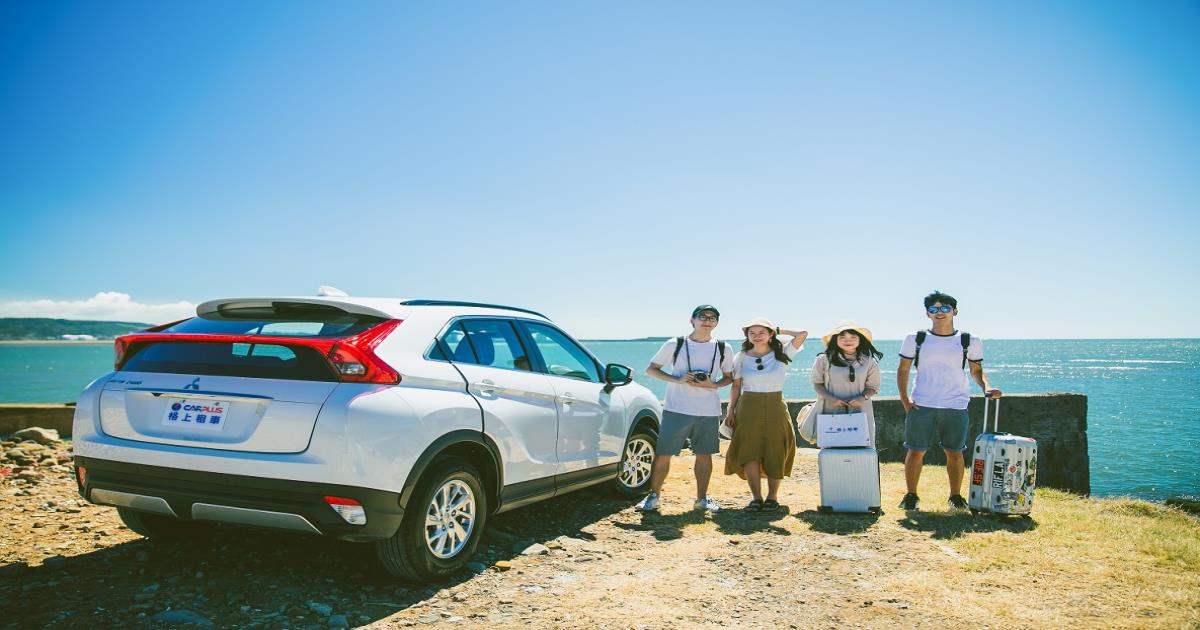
[758, 321]
[844, 326]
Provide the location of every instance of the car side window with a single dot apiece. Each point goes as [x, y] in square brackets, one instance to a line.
[495, 344]
[453, 346]
[561, 355]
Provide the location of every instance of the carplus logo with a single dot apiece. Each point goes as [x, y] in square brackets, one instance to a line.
[193, 385]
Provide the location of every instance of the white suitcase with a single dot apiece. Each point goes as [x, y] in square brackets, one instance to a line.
[849, 480]
[1003, 470]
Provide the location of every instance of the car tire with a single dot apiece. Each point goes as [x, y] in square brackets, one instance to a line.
[156, 526]
[637, 460]
[426, 553]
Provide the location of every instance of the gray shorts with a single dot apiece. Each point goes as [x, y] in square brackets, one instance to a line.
[677, 427]
[922, 424]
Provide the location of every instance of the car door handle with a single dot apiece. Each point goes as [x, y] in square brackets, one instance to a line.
[566, 399]
[486, 386]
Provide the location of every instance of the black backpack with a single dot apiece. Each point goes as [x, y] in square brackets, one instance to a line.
[965, 337]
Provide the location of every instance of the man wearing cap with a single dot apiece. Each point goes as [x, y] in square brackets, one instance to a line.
[700, 365]
[937, 411]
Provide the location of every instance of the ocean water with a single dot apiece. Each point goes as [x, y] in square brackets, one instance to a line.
[1143, 402]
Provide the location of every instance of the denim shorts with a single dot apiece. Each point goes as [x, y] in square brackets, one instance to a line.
[677, 427]
[922, 424]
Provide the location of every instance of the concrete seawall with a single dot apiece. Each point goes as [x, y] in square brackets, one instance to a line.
[1057, 421]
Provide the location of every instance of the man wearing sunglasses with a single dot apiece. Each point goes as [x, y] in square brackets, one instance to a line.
[937, 409]
[699, 366]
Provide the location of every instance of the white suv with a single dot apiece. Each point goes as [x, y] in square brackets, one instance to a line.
[404, 423]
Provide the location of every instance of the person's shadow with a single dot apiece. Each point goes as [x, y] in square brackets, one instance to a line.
[838, 523]
[948, 525]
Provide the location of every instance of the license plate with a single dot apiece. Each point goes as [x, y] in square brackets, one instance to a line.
[196, 415]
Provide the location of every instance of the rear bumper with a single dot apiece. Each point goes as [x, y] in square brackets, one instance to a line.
[274, 503]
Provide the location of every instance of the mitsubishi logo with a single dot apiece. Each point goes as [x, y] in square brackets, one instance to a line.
[194, 385]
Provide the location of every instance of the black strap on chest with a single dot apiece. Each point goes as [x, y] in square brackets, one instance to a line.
[679, 346]
[964, 338]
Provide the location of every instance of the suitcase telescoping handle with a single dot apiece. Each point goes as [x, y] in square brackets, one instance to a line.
[996, 422]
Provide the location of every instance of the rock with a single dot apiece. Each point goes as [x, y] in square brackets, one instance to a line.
[1191, 506]
[185, 617]
[321, 609]
[338, 621]
[536, 549]
[38, 434]
[460, 597]
[503, 565]
[429, 618]
[30, 476]
[476, 567]
[13, 570]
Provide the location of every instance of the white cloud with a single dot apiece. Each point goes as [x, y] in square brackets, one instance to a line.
[104, 306]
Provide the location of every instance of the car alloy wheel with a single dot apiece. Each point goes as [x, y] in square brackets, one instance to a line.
[635, 466]
[450, 519]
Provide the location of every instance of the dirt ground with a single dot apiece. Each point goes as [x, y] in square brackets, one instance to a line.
[594, 563]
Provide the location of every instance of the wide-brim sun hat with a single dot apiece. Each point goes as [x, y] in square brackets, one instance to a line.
[758, 321]
[843, 327]
[725, 430]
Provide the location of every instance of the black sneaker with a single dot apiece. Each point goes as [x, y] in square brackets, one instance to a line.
[910, 503]
[957, 502]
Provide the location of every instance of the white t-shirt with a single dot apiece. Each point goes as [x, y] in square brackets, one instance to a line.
[702, 356]
[942, 381]
[770, 377]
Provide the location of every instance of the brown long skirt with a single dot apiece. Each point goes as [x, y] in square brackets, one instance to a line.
[762, 430]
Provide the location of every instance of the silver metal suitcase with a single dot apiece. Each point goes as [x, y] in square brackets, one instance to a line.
[849, 480]
[1003, 470]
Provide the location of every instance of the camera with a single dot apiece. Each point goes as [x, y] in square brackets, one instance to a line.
[700, 377]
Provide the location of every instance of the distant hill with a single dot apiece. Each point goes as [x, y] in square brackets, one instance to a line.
[39, 328]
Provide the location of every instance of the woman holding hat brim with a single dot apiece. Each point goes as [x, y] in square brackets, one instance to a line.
[846, 375]
[763, 442]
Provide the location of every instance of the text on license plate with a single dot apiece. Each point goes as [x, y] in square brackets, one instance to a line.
[203, 415]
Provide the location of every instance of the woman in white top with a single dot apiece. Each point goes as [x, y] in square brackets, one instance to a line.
[763, 442]
[846, 375]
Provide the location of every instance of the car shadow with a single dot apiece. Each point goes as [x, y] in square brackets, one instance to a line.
[240, 576]
[949, 525]
[838, 523]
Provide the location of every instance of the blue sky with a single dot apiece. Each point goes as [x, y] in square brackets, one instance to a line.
[610, 164]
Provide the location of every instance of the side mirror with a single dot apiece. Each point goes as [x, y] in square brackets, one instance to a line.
[616, 375]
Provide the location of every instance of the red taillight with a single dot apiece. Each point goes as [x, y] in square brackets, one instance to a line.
[120, 347]
[354, 359]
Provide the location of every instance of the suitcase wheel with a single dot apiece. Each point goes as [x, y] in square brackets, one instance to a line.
[825, 509]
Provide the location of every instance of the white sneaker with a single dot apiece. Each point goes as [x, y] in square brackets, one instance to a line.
[707, 504]
[648, 504]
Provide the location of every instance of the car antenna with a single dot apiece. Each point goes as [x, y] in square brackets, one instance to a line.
[328, 291]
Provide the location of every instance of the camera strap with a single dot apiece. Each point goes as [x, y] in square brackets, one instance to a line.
[688, 354]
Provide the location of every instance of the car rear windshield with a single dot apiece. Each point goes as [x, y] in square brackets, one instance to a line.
[285, 319]
[255, 360]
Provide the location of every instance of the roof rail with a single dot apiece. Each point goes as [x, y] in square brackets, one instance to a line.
[473, 304]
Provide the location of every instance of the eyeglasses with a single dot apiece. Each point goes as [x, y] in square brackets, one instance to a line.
[939, 309]
[706, 318]
[758, 360]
